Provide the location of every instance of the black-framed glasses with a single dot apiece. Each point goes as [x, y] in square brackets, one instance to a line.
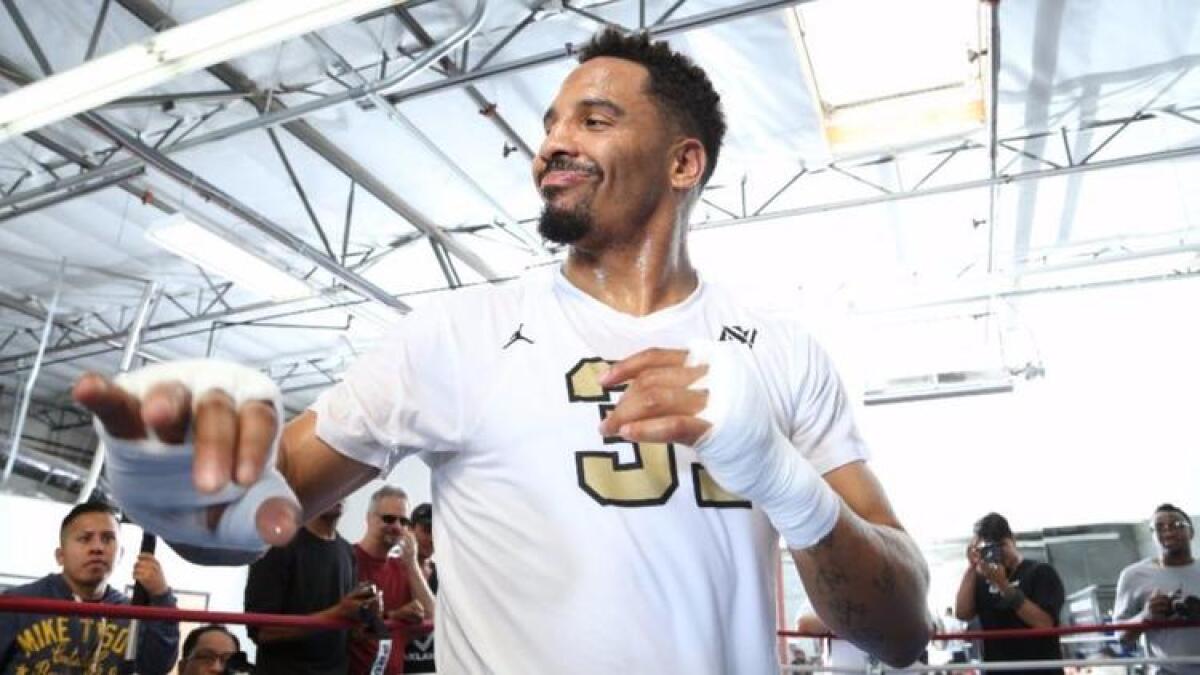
[391, 519]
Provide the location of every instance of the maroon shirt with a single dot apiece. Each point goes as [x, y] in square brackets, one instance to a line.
[390, 576]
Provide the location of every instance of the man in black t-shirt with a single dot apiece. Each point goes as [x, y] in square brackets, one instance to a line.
[313, 575]
[1006, 591]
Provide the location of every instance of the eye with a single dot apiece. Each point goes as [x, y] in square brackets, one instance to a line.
[595, 122]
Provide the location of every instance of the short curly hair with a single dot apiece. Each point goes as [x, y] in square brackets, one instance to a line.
[680, 87]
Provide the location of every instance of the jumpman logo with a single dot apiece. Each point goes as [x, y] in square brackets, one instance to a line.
[516, 336]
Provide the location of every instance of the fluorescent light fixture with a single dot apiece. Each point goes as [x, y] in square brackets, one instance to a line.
[218, 255]
[215, 38]
[940, 385]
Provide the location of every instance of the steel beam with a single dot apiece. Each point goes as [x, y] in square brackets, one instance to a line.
[398, 118]
[275, 113]
[663, 30]
[133, 341]
[31, 381]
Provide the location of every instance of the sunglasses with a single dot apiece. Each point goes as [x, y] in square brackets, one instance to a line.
[1169, 526]
[390, 519]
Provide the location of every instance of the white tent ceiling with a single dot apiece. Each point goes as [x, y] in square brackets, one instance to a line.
[1096, 117]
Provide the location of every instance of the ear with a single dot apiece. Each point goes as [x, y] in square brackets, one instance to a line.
[58, 555]
[688, 162]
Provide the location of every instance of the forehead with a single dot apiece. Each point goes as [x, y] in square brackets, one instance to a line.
[1167, 516]
[216, 640]
[392, 505]
[620, 81]
[93, 522]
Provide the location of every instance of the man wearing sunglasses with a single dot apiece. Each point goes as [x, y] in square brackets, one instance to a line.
[1164, 588]
[386, 556]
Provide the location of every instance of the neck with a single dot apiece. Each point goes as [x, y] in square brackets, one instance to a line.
[87, 592]
[1174, 558]
[375, 547]
[650, 272]
[322, 528]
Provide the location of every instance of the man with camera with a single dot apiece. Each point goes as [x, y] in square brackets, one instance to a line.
[1164, 588]
[313, 575]
[1005, 590]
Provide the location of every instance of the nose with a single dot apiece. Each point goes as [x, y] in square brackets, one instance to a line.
[558, 141]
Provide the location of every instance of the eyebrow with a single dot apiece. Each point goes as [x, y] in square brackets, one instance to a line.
[602, 103]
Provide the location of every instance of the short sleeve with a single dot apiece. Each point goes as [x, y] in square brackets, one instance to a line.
[1128, 604]
[400, 398]
[1048, 592]
[822, 425]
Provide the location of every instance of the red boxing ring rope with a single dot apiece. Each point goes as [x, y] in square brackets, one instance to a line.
[13, 603]
[1006, 633]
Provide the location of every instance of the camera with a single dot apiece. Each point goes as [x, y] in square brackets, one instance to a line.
[992, 552]
[1185, 608]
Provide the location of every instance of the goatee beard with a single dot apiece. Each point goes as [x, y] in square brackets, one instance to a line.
[564, 226]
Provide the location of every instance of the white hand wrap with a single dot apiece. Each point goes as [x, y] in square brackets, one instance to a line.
[152, 480]
[748, 455]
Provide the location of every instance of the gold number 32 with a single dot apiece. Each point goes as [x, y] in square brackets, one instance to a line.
[651, 478]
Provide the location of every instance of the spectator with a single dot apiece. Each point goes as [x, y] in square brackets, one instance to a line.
[1006, 591]
[89, 546]
[1164, 588]
[419, 653]
[207, 650]
[407, 599]
[313, 575]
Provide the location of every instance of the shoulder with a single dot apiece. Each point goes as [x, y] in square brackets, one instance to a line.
[49, 586]
[1138, 571]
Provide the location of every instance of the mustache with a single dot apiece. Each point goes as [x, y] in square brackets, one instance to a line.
[563, 163]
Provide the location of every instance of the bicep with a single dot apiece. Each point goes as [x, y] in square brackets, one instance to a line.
[315, 470]
[862, 492]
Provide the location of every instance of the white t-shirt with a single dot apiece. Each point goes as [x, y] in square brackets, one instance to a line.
[1134, 588]
[551, 558]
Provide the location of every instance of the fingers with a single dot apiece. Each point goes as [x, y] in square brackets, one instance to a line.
[647, 404]
[629, 368]
[216, 433]
[167, 411]
[117, 409]
[673, 429]
[257, 424]
[277, 521]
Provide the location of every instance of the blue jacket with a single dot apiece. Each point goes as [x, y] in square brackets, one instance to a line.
[43, 643]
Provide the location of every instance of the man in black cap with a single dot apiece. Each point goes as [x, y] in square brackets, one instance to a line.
[1005, 590]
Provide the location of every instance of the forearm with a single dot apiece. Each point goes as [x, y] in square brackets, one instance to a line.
[280, 633]
[868, 583]
[964, 601]
[316, 472]
[1033, 615]
[420, 589]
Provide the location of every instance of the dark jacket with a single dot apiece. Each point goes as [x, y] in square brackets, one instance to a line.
[36, 643]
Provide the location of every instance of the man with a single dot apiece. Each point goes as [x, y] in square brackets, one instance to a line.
[1164, 588]
[419, 652]
[89, 546]
[313, 575]
[564, 547]
[407, 600]
[1005, 590]
[207, 650]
